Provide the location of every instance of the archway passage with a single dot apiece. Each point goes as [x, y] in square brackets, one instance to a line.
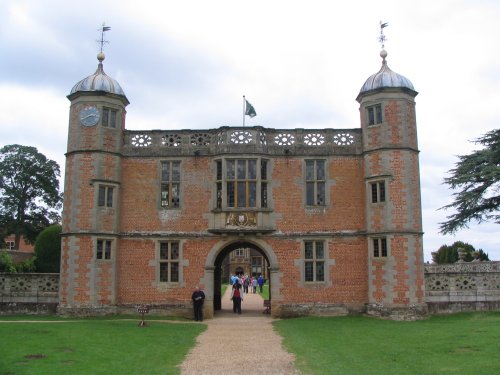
[253, 268]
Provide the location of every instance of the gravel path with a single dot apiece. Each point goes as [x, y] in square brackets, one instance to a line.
[239, 344]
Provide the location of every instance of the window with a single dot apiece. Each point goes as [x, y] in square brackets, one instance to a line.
[379, 247]
[105, 198]
[315, 182]
[314, 264]
[239, 253]
[378, 191]
[219, 184]
[374, 115]
[257, 266]
[263, 183]
[103, 249]
[109, 117]
[243, 181]
[10, 245]
[170, 184]
[169, 262]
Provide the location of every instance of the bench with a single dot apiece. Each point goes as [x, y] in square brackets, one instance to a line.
[267, 305]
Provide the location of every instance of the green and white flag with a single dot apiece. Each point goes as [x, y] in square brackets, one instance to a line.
[249, 109]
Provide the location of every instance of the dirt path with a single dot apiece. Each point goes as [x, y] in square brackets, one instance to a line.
[239, 344]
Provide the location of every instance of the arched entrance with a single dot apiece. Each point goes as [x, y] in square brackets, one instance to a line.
[213, 269]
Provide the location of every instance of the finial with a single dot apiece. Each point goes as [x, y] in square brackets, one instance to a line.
[102, 30]
[382, 37]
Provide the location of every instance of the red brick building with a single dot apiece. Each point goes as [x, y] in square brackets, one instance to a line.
[335, 212]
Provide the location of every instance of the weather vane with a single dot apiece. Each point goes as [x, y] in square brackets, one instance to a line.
[103, 29]
[382, 37]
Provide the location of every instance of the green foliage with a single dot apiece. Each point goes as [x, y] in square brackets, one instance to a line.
[27, 266]
[6, 264]
[48, 249]
[460, 344]
[478, 177]
[29, 192]
[95, 346]
[449, 254]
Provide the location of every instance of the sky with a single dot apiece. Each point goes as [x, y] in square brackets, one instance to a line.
[187, 64]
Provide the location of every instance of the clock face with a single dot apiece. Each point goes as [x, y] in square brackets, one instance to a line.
[89, 116]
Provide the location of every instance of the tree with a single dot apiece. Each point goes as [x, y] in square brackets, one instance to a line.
[29, 192]
[449, 254]
[478, 175]
[48, 249]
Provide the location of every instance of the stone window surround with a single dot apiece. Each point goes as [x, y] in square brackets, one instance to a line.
[161, 286]
[107, 184]
[379, 188]
[111, 115]
[315, 181]
[222, 183]
[377, 112]
[160, 186]
[300, 264]
[376, 179]
[113, 248]
[371, 246]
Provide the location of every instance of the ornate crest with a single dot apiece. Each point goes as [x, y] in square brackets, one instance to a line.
[241, 219]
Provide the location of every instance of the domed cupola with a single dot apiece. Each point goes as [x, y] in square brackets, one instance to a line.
[99, 81]
[385, 78]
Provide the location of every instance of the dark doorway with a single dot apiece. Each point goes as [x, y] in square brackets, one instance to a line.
[218, 273]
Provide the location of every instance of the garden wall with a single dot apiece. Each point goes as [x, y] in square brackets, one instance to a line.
[450, 288]
[29, 293]
[462, 286]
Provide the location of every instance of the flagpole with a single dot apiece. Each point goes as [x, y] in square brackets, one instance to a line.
[243, 110]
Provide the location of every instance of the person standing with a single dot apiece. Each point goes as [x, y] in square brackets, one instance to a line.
[261, 282]
[246, 282]
[198, 298]
[254, 285]
[237, 297]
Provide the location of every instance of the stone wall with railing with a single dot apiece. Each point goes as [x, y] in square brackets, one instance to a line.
[35, 293]
[462, 286]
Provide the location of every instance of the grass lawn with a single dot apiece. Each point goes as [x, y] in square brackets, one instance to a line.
[94, 346]
[265, 291]
[454, 344]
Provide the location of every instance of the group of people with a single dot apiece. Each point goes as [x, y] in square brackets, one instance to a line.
[239, 286]
[246, 282]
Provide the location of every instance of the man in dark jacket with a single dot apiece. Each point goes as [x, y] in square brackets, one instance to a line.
[198, 298]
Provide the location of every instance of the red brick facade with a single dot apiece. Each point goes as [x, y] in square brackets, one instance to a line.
[330, 248]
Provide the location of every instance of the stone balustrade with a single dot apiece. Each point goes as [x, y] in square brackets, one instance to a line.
[462, 286]
[255, 139]
[36, 293]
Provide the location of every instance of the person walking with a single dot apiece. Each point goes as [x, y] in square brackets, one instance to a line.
[260, 281]
[237, 297]
[254, 285]
[198, 298]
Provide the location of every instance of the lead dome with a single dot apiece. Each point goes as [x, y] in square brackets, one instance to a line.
[385, 78]
[99, 81]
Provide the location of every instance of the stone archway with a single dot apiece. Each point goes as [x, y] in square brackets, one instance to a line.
[212, 276]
